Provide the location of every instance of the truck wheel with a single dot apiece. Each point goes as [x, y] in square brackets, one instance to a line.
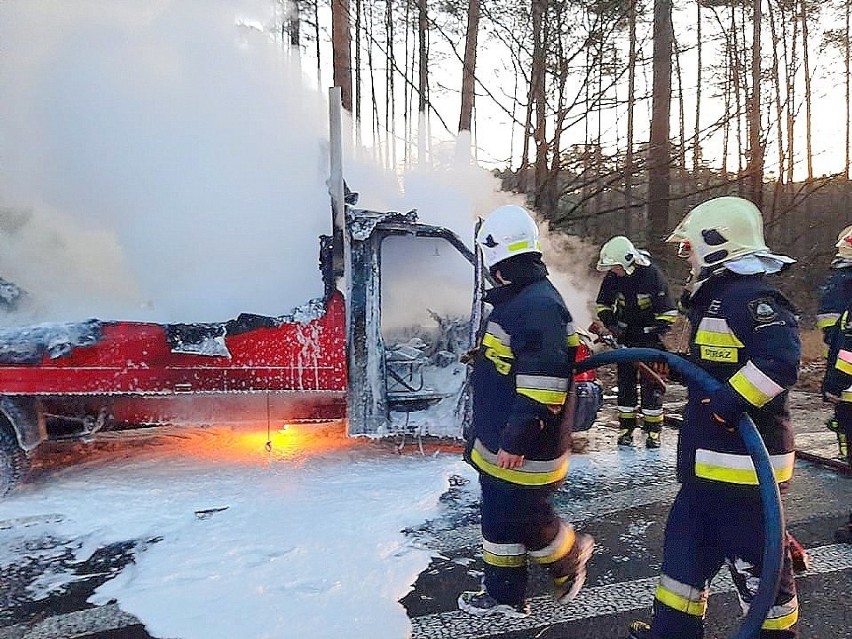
[14, 462]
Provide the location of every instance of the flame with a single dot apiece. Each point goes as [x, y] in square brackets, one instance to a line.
[257, 444]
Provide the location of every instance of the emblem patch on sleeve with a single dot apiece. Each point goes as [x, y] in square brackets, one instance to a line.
[763, 310]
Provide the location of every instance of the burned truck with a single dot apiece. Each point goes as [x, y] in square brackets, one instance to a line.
[324, 361]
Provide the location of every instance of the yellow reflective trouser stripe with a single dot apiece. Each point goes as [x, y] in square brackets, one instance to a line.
[782, 617]
[531, 473]
[827, 320]
[844, 362]
[504, 555]
[556, 549]
[681, 597]
[755, 386]
[739, 469]
[669, 316]
[652, 419]
[846, 396]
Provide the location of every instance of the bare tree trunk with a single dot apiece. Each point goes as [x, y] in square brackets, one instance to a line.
[807, 71]
[423, 57]
[791, 100]
[633, 225]
[317, 42]
[468, 90]
[737, 81]
[755, 168]
[681, 163]
[659, 150]
[294, 23]
[526, 183]
[696, 138]
[423, 80]
[776, 75]
[390, 109]
[537, 91]
[848, 63]
[340, 41]
[358, 81]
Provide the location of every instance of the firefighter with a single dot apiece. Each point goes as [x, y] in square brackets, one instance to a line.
[835, 319]
[835, 293]
[635, 307]
[519, 444]
[744, 333]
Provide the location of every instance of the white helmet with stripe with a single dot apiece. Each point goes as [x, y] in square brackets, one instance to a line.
[506, 232]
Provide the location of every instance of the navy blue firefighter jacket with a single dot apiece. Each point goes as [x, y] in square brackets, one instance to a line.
[744, 332]
[638, 306]
[520, 380]
[835, 293]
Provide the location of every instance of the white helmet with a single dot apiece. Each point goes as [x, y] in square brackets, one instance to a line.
[718, 231]
[844, 243]
[619, 251]
[506, 232]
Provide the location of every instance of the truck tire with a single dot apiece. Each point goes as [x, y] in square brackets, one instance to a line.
[14, 461]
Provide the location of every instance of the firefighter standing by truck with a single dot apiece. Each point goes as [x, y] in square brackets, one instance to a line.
[634, 307]
[745, 334]
[835, 320]
[519, 444]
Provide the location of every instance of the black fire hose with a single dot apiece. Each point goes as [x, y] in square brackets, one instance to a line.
[773, 546]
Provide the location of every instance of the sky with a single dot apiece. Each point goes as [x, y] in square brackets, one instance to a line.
[310, 542]
[166, 161]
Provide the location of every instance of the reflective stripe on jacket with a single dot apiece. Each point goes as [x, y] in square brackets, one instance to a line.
[744, 333]
[521, 377]
[838, 369]
[639, 304]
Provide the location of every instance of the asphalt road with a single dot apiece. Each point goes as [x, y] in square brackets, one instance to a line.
[619, 496]
[626, 511]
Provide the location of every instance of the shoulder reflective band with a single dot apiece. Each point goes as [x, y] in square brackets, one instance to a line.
[543, 389]
[714, 331]
[827, 320]
[739, 469]
[497, 339]
[682, 597]
[531, 473]
[756, 387]
[556, 549]
[504, 555]
[668, 316]
[844, 362]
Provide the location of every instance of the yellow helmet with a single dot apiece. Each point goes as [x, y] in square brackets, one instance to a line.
[718, 231]
[619, 251]
[506, 232]
[844, 243]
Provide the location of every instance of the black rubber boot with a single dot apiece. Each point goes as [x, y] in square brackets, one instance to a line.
[625, 433]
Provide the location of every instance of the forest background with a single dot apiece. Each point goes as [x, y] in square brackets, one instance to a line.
[609, 116]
